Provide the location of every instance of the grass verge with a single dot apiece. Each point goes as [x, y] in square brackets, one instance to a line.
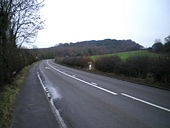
[8, 96]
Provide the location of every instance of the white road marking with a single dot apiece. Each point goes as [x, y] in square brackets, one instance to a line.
[60, 119]
[74, 75]
[41, 81]
[146, 102]
[47, 68]
[55, 111]
[93, 83]
[103, 89]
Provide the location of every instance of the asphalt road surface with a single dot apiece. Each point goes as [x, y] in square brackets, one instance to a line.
[87, 100]
[32, 107]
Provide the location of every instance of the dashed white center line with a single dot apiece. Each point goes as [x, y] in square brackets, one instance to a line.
[146, 102]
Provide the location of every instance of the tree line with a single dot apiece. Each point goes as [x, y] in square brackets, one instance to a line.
[159, 47]
[19, 23]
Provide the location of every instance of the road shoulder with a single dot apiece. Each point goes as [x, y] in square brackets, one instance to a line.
[32, 108]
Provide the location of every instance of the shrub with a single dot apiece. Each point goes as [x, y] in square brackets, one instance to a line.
[161, 69]
[81, 62]
[12, 60]
[108, 64]
[59, 60]
[137, 66]
[152, 68]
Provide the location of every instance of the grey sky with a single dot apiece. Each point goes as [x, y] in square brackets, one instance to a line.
[77, 20]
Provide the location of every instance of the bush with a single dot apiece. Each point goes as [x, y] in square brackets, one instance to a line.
[59, 60]
[161, 69]
[137, 66]
[152, 68]
[12, 60]
[81, 62]
[108, 64]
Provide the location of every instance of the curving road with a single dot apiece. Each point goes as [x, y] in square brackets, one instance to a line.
[86, 100]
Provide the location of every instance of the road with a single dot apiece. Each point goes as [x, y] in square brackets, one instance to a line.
[87, 100]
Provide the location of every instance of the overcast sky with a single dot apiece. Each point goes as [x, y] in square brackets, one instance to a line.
[143, 21]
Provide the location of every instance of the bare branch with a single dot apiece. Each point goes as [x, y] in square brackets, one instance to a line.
[22, 19]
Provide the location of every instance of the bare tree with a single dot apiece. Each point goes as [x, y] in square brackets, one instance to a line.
[19, 23]
[21, 20]
[167, 44]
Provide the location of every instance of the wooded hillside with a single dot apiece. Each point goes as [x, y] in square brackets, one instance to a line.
[86, 48]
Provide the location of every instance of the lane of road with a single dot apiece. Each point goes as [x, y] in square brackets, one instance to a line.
[87, 100]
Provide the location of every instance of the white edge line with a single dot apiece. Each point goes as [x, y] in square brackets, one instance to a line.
[146, 102]
[103, 89]
[55, 111]
[41, 81]
[58, 116]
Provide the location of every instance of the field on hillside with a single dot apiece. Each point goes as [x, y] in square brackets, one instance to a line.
[125, 55]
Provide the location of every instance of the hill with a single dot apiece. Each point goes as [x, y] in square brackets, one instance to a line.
[95, 47]
[88, 48]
